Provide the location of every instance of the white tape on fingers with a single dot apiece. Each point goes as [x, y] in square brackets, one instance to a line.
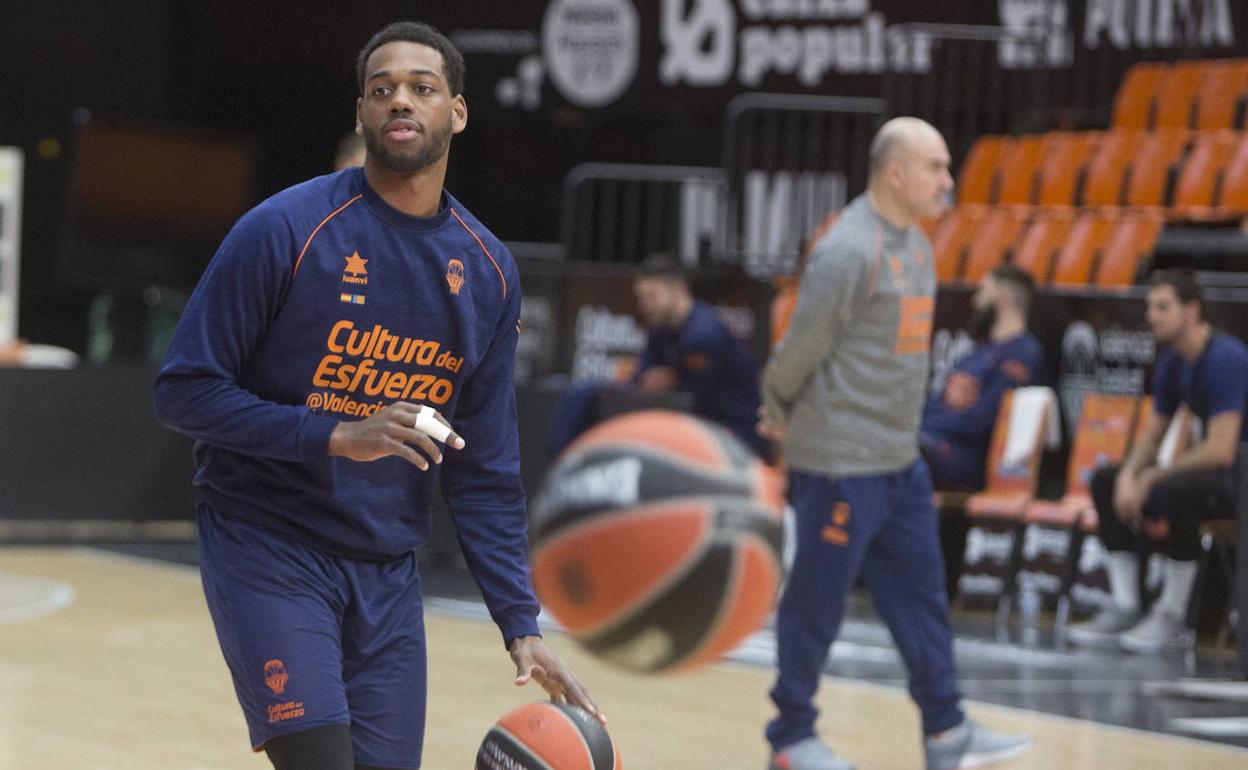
[427, 422]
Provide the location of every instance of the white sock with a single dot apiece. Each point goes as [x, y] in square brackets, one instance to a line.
[1124, 579]
[1180, 575]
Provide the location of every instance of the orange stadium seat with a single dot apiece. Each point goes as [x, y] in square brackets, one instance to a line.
[1203, 171]
[1174, 101]
[997, 234]
[1048, 230]
[1103, 180]
[1083, 246]
[1133, 105]
[1222, 94]
[1151, 167]
[1127, 247]
[1233, 196]
[953, 234]
[1066, 154]
[1019, 165]
[978, 178]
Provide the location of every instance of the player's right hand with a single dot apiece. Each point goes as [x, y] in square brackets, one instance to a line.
[390, 432]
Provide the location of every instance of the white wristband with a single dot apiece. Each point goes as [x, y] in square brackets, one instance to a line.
[428, 423]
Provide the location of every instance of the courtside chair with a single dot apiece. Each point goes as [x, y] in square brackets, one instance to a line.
[1023, 428]
[1101, 437]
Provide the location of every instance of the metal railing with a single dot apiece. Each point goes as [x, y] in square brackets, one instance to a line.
[618, 212]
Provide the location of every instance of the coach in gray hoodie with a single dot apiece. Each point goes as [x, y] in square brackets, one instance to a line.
[844, 391]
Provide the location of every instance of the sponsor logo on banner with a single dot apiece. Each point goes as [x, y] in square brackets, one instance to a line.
[709, 42]
[1111, 361]
[591, 49]
[606, 344]
[1039, 34]
[1177, 24]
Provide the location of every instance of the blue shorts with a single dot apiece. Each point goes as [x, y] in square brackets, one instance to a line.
[313, 639]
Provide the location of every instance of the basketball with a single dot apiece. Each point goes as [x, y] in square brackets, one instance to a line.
[548, 736]
[657, 541]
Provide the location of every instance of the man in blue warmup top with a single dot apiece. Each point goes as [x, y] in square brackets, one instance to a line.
[689, 349]
[958, 421]
[844, 390]
[1141, 505]
[692, 350]
[339, 327]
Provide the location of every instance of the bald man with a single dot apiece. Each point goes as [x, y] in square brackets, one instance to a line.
[843, 391]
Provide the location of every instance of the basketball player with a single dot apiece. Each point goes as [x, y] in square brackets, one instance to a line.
[1141, 505]
[340, 325]
[957, 421]
[689, 348]
[844, 389]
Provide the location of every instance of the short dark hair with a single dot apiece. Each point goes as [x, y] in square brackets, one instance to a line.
[416, 32]
[1019, 280]
[1181, 279]
[661, 266]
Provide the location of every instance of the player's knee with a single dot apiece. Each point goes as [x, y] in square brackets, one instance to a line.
[327, 747]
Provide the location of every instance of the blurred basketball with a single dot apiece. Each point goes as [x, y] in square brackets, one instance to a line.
[547, 736]
[656, 541]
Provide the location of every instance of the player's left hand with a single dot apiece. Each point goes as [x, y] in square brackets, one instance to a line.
[534, 660]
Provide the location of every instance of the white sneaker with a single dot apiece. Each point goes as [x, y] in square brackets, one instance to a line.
[1105, 628]
[1159, 630]
[810, 754]
[970, 744]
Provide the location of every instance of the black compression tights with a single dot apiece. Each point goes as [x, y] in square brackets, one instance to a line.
[320, 748]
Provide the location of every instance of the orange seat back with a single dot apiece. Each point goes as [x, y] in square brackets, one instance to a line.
[978, 178]
[1101, 437]
[1154, 157]
[1003, 479]
[1233, 196]
[1066, 154]
[998, 232]
[1048, 230]
[1224, 85]
[1108, 165]
[1083, 246]
[1133, 104]
[1127, 247]
[1203, 169]
[1174, 102]
[1020, 164]
[951, 238]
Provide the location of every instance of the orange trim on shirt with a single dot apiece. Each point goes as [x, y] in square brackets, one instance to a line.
[483, 248]
[308, 242]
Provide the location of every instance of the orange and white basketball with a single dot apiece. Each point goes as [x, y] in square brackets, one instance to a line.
[657, 541]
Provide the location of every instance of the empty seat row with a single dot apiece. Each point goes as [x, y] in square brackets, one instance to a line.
[1202, 94]
[1201, 174]
[1058, 246]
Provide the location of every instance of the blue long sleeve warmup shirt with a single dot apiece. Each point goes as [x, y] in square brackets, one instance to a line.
[325, 304]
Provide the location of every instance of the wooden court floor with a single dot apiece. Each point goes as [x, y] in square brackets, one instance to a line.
[128, 676]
